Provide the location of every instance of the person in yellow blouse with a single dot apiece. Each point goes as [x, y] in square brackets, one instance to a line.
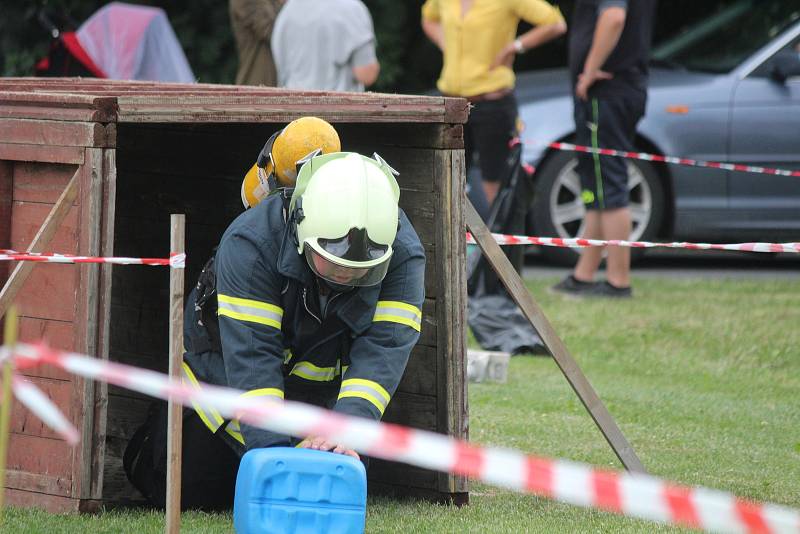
[478, 39]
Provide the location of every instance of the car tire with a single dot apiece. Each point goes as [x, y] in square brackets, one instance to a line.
[557, 209]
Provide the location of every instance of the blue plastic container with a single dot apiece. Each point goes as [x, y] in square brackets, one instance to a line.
[297, 491]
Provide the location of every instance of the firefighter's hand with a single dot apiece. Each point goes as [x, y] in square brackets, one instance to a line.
[321, 444]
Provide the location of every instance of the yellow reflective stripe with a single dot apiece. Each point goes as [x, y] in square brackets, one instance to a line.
[402, 305]
[367, 390]
[263, 392]
[398, 312]
[309, 371]
[197, 408]
[287, 356]
[250, 310]
[249, 303]
[366, 396]
[235, 433]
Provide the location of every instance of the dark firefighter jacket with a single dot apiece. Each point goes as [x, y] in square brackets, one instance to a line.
[277, 341]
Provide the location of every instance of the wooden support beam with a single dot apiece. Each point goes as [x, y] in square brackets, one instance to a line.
[40, 242]
[175, 410]
[569, 367]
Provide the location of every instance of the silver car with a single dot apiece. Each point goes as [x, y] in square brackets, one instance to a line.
[726, 89]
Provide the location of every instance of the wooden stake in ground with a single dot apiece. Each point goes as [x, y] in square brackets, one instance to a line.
[9, 340]
[569, 367]
[175, 410]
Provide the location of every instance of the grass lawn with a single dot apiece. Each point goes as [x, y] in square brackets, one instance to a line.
[702, 377]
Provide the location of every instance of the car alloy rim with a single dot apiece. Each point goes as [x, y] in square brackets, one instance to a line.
[566, 207]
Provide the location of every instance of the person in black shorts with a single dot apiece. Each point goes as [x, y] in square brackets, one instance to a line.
[608, 54]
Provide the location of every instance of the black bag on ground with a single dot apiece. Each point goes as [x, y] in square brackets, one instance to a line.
[208, 476]
[495, 319]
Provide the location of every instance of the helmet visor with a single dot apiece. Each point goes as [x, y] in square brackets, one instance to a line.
[344, 275]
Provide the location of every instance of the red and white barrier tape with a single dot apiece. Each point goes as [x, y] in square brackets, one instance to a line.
[504, 239]
[40, 405]
[176, 261]
[579, 484]
[670, 159]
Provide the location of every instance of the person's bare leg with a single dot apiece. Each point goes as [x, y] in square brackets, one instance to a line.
[616, 224]
[490, 189]
[591, 257]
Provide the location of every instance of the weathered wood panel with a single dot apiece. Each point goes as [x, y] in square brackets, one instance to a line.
[41, 182]
[39, 483]
[49, 132]
[57, 334]
[58, 391]
[410, 409]
[44, 154]
[6, 192]
[34, 454]
[452, 409]
[420, 376]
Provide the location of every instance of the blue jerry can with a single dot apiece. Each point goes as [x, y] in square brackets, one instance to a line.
[288, 490]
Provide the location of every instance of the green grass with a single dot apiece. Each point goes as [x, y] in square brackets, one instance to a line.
[702, 377]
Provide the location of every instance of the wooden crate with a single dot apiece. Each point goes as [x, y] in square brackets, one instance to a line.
[144, 150]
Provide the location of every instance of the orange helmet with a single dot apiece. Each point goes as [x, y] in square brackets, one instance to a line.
[278, 160]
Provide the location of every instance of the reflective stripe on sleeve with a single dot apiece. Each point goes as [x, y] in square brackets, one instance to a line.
[233, 430]
[264, 392]
[309, 371]
[211, 417]
[250, 310]
[367, 390]
[398, 312]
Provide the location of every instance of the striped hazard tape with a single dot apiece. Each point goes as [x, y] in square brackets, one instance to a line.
[176, 261]
[670, 159]
[630, 494]
[504, 239]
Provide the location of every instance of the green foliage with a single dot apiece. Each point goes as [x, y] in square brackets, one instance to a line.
[409, 62]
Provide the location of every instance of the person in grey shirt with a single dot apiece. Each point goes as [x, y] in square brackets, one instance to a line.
[325, 45]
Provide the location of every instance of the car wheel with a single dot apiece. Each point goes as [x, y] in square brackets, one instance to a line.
[558, 211]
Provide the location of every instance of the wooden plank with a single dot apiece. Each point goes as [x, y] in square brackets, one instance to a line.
[35, 181]
[428, 333]
[40, 242]
[48, 154]
[109, 180]
[27, 218]
[6, 192]
[86, 316]
[58, 391]
[399, 474]
[53, 132]
[57, 106]
[177, 245]
[569, 367]
[452, 409]
[410, 409]
[57, 334]
[420, 376]
[406, 135]
[39, 483]
[35, 454]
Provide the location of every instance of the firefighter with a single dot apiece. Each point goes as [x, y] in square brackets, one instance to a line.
[314, 295]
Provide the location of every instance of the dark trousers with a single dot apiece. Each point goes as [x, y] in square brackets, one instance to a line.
[209, 467]
[606, 123]
[491, 125]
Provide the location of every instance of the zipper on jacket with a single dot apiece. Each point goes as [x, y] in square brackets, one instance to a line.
[305, 304]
